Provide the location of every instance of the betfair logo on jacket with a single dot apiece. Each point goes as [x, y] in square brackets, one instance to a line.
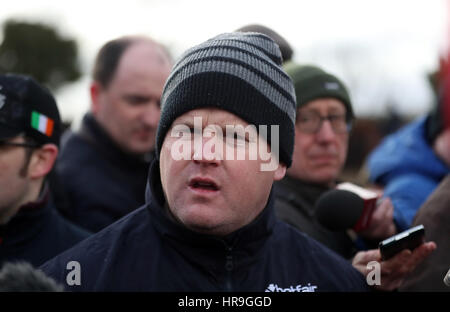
[298, 288]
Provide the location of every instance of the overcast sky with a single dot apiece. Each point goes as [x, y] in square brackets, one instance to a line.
[381, 49]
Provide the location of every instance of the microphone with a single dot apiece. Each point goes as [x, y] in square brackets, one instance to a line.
[346, 207]
[447, 279]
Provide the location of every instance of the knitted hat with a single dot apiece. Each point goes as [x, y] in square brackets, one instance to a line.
[285, 47]
[237, 72]
[313, 83]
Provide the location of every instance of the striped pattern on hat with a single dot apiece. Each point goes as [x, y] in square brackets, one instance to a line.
[237, 72]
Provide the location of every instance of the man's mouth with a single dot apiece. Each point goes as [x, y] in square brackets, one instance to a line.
[203, 184]
[143, 133]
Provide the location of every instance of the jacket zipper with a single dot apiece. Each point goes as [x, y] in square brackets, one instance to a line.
[229, 266]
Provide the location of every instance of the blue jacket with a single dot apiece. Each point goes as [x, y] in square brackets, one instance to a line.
[37, 233]
[101, 182]
[147, 251]
[406, 165]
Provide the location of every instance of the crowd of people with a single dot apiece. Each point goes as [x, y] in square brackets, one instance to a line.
[204, 174]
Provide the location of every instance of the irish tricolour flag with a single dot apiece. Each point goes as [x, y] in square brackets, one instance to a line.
[42, 123]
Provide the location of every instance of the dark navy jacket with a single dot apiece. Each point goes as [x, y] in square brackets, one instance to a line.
[37, 233]
[101, 182]
[147, 251]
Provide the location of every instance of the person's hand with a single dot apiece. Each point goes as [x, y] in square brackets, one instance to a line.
[394, 270]
[381, 225]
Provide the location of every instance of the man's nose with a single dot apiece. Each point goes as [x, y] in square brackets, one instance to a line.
[207, 150]
[151, 114]
[326, 132]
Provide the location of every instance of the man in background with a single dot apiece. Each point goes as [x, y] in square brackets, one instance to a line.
[104, 166]
[322, 128]
[410, 163]
[30, 227]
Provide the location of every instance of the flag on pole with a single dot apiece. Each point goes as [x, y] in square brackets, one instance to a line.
[42, 123]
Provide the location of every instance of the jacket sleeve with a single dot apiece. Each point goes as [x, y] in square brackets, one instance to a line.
[408, 192]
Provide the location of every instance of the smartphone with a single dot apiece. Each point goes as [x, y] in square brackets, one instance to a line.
[408, 239]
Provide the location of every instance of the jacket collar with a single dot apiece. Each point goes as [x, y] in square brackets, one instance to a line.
[28, 222]
[244, 244]
[298, 191]
[92, 132]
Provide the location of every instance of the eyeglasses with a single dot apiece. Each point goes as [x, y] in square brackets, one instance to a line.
[311, 122]
[24, 144]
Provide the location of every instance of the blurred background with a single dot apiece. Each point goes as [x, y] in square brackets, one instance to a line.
[387, 52]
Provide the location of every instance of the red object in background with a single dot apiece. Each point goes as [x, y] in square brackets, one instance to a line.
[444, 76]
[446, 102]
[370, 199]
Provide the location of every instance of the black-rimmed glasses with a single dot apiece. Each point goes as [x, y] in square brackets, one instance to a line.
[311, 122]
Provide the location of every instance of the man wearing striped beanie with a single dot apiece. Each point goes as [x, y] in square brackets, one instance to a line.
[30, 227]
[209, 224]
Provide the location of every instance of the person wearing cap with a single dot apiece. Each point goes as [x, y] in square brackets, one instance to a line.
[209, 222]
[323, 122]
[410, 163]
[103, 166]
[30, 227]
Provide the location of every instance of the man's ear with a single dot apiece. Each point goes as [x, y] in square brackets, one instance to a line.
[42, 161]
[95, 91]
[280, 172]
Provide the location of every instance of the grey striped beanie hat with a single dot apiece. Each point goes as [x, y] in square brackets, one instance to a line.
[237, 72]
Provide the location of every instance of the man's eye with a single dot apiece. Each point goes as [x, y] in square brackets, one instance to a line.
[338, 116]
[306, 119]
[182, 132]
[136, 100]
[236, 139]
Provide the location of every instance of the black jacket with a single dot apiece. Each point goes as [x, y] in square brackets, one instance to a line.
[101, 182]
[295, 203]
[147, 251]
[37, 233]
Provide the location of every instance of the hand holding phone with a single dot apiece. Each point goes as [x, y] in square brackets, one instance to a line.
[409, 239]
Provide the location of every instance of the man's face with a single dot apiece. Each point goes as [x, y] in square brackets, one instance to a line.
[319, 157]
[129, 107]
[14, 184]
[214, 196]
